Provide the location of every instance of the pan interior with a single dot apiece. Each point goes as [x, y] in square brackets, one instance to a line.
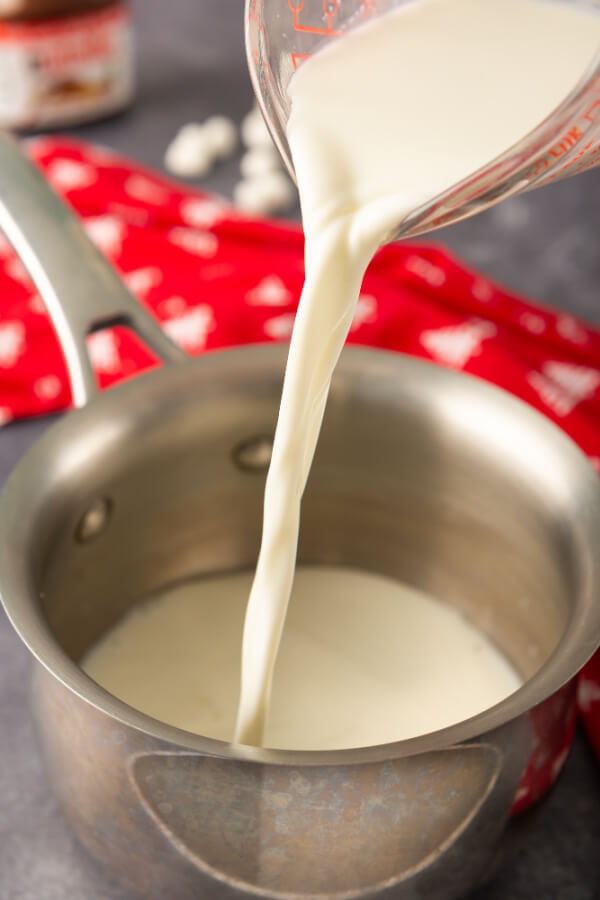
[421, 475]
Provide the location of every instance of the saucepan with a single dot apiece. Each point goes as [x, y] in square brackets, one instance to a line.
[423, 474]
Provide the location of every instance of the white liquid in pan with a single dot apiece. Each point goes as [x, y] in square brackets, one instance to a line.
[363, 660]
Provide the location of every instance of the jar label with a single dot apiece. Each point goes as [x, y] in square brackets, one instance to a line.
[66, 70]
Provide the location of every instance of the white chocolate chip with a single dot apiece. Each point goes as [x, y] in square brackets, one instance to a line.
[248, 197]
[254, 131]
[189, 154]
[190, 131]
[259, 161]
[221, 134]
[188, 161]
[279, 189]
[264, 194]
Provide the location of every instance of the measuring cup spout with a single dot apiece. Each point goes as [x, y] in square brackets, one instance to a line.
[83, 293]
[282, 34]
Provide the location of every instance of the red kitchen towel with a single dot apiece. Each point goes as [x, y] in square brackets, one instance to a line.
[215, 278]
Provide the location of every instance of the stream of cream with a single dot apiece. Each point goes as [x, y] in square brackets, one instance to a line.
[383, 120]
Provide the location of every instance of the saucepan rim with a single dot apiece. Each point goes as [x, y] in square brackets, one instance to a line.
[17, 592]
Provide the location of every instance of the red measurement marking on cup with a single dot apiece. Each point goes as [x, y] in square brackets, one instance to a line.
[586, 158]
[297, 58]
[330, 10]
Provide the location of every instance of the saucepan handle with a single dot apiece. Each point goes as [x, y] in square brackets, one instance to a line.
[82, 291]
[424, 826]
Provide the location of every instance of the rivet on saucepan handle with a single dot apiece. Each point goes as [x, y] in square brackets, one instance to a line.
[81, 290]
[254, 454]
[94, 520]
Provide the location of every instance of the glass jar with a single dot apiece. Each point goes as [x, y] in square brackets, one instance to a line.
[63, 62]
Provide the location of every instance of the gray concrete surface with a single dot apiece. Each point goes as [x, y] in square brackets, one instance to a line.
[545, 245]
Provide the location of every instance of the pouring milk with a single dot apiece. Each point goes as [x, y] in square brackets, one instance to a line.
[383, 120]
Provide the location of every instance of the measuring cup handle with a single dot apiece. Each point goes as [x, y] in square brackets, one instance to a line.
[81, 290]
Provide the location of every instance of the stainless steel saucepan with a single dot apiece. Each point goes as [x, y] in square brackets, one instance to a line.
[423, 474]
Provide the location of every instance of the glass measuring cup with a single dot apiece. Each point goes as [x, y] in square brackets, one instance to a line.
[282, 34]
